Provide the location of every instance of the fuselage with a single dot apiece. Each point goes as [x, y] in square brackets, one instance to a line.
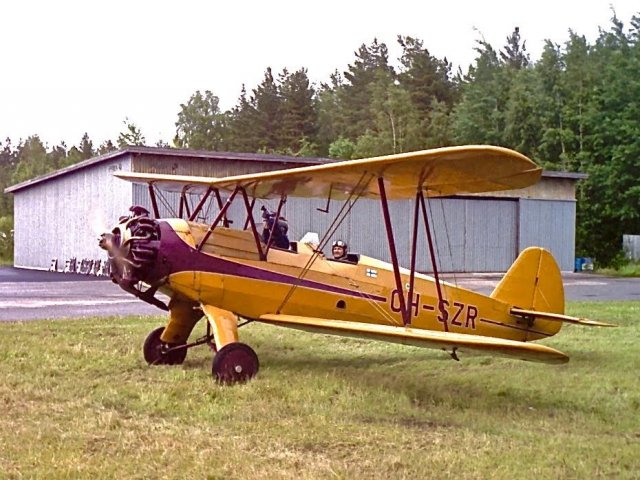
[227, 272]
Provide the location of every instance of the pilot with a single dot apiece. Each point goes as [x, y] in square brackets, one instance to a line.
[280, 238]
[339, 250]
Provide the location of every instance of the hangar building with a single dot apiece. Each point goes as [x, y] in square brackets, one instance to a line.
[59, 216]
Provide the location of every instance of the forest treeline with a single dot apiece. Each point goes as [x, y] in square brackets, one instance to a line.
[576, 108]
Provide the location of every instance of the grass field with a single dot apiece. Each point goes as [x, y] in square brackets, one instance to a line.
[78, 401]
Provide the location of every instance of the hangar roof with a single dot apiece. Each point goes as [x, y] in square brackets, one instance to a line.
[174, 153]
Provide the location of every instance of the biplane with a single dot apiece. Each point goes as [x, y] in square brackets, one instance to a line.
[237, 275]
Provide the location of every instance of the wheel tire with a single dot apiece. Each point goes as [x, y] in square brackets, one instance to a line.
[155, 352]
[234, 363]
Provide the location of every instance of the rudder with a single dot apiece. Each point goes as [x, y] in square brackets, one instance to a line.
[533, 282]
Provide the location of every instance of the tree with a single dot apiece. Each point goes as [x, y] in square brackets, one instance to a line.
[522, 117]
[242, 134]
[549, 72]
[425, 77]
[106, 147]
[31, 160]
[267, 105]
[57, 157]
[8, 161]
[355, 96]
[610, 200]
[514, 54]
[397, 125]
[298, 111]
[342, 148]
[331, 115]
[479, 117]
[201, 125]
[74, 155]
[131, 135]
[86, 147]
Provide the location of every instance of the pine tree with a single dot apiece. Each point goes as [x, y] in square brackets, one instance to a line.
[86, 147]
[426, 78]
[479, 117]
[298, 111]
[267, 105]
[31, 160]
[131, 135]
[242, 133]
[355, 96]
[514, 54]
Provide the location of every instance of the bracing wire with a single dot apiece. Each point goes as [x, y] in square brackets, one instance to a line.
[165, 203]
[448, 243]
[342, 214]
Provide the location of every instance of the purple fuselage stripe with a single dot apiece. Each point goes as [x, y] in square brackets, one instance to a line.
[177, 256]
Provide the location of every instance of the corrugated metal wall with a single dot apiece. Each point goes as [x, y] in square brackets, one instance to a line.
[63, 217]
[549, 224]
[478, 235]
[631, 246]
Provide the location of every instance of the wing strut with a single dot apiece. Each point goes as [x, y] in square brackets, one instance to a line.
[154, 201]
[283, 200]
[392, 250]
[219, 217]
[436, 276]
[200, 206]
[251, 221]
[184, 203]
[225, 220]
[414, 251]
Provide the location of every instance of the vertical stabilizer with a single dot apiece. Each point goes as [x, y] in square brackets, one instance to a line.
[533, 282]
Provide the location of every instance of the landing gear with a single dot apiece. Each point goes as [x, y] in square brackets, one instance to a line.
[234, 363]
[157, 352]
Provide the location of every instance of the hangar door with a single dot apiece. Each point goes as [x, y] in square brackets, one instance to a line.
[475, 234]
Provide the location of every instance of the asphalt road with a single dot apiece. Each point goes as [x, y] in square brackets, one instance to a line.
[30, 295]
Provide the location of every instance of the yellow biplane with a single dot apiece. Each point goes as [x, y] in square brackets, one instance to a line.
[237, 276]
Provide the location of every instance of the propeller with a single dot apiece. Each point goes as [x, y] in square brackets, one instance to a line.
[132, 247]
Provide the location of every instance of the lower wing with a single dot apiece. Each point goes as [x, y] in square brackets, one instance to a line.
[449, 342]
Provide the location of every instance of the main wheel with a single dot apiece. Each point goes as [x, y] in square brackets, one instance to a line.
[234, 363]
[155, 350]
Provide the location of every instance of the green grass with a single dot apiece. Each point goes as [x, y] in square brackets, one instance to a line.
[78, 401]
[631, 269]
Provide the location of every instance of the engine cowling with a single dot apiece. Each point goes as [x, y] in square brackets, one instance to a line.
[132, 247]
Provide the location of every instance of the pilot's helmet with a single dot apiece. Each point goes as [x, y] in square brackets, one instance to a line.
[340, 243]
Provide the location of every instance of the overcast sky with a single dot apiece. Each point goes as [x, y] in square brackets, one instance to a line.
[70, 67]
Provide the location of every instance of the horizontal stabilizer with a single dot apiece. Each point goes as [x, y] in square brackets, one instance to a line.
[559, 318]
[452, 343]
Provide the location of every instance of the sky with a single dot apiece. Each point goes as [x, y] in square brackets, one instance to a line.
[70, 67]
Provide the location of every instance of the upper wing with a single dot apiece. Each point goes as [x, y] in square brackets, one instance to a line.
[441, 171]
[450, 342]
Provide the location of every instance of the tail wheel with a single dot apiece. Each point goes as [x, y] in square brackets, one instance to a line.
[234, 363]
[156, 351]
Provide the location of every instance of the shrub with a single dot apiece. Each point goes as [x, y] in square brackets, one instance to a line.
[6, 238]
